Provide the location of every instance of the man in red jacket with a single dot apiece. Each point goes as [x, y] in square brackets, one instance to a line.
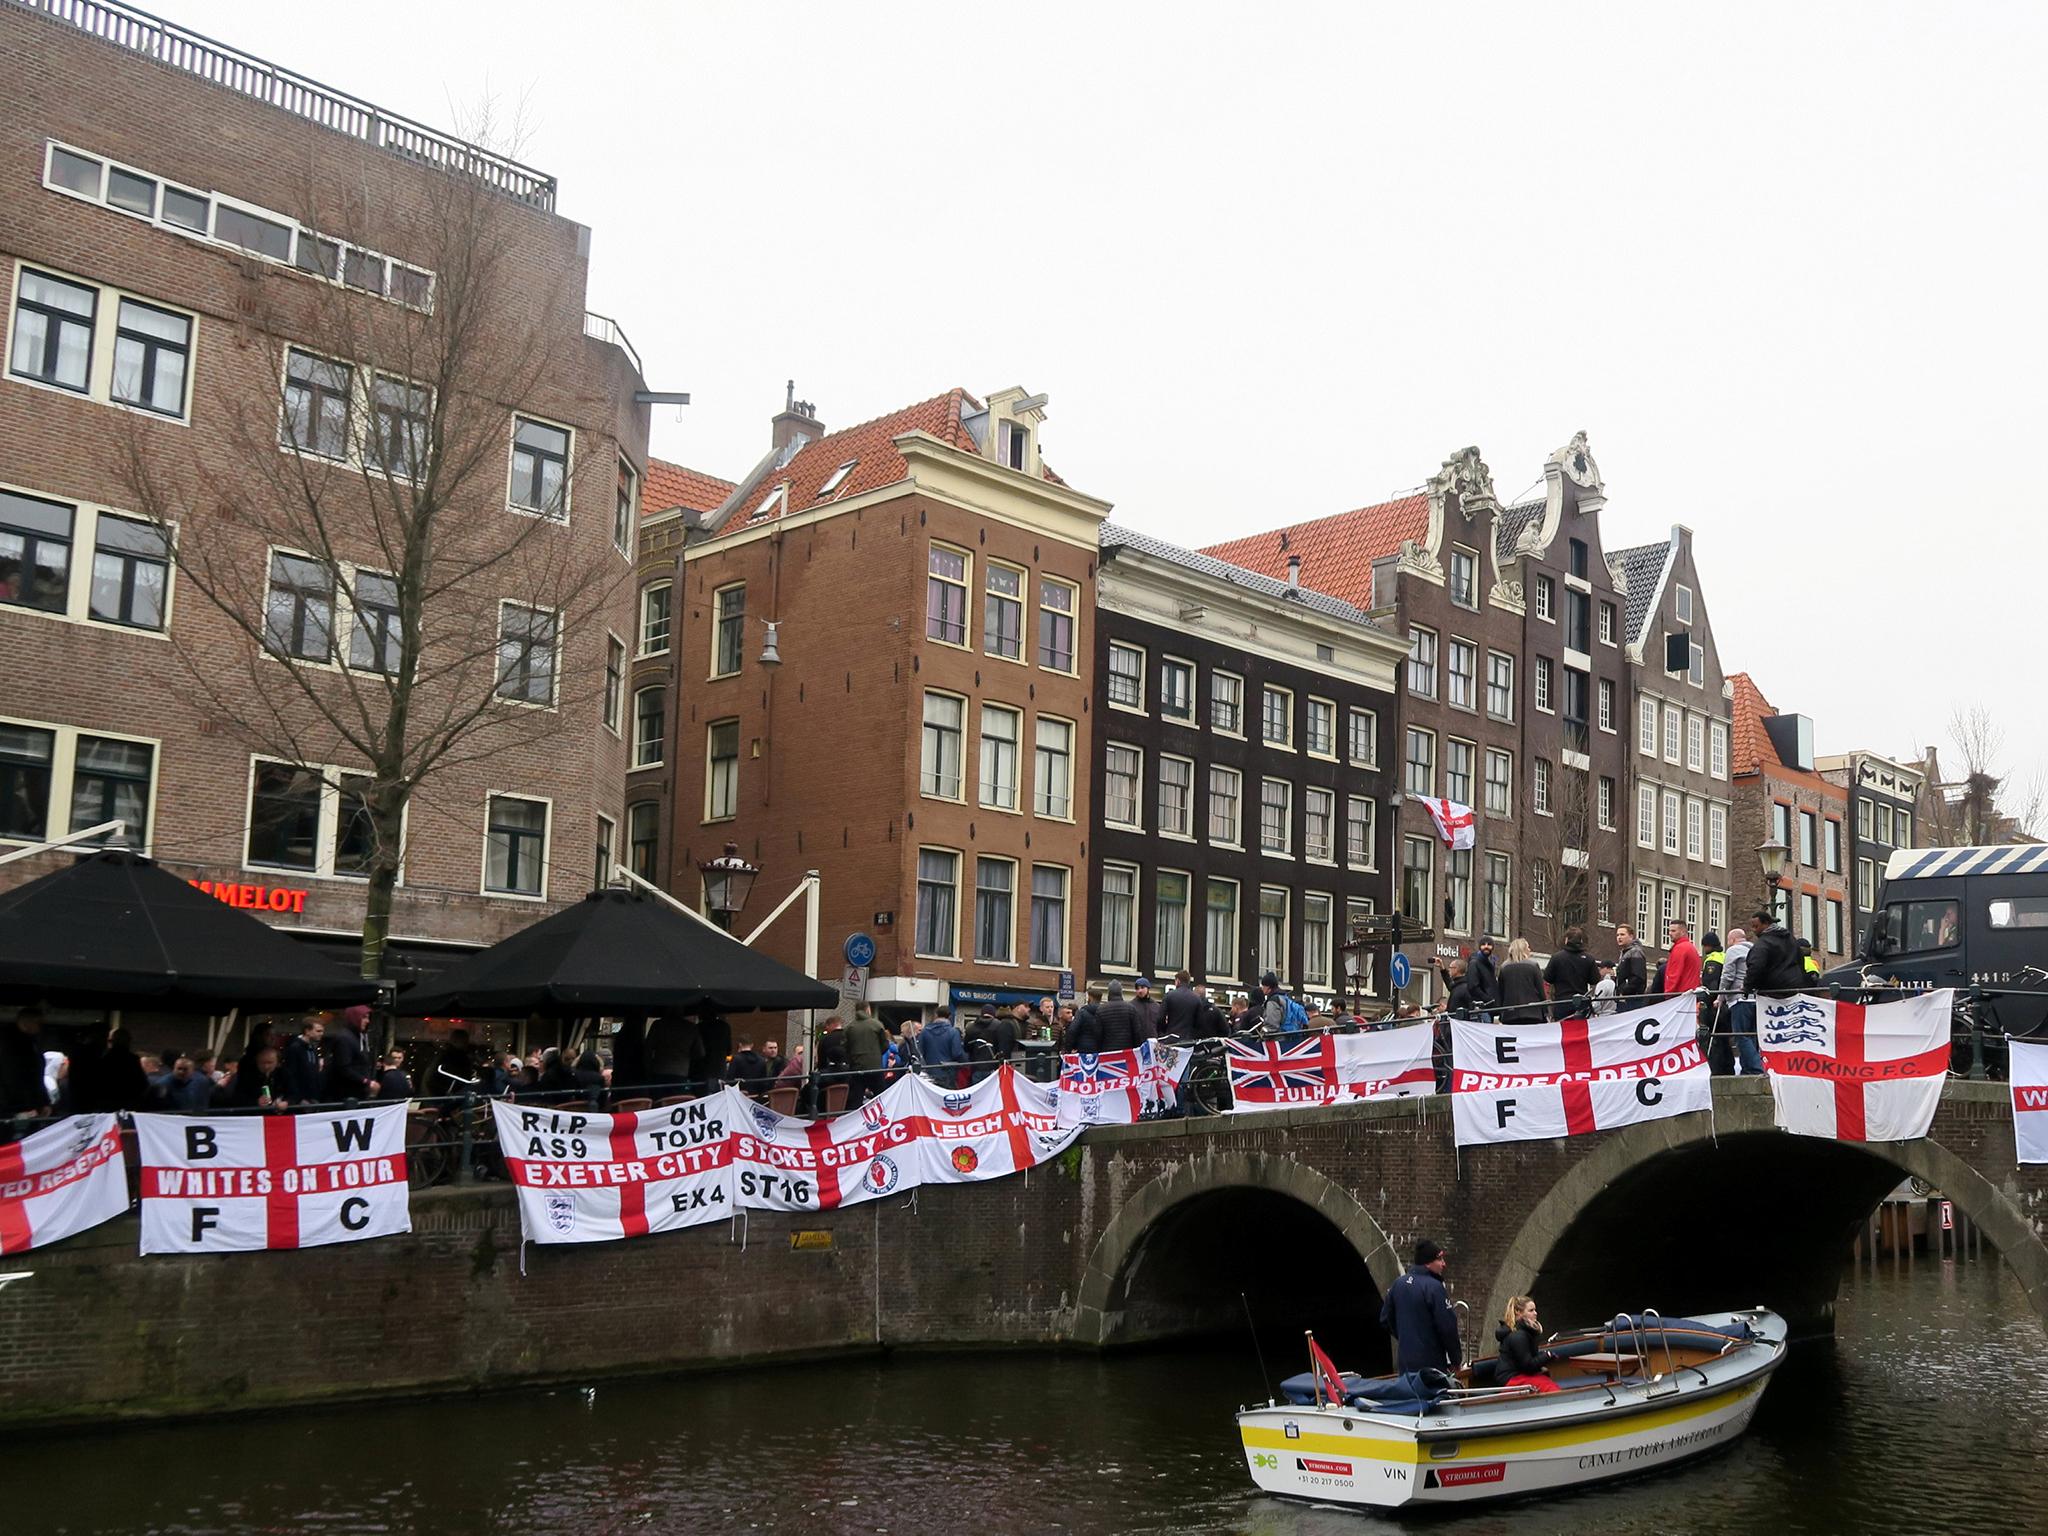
[1682, 968]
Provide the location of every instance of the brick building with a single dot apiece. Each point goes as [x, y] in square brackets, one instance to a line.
[922, 738]
[1884, 797]
[1780, 796]
[183, 262]
[1241, 772]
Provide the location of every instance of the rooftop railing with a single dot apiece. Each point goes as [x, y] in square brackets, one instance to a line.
[165, 41]
[605, 328]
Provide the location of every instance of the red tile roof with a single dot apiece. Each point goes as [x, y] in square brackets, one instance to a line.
[1336, 552]
[1753, 749]
[673, 485]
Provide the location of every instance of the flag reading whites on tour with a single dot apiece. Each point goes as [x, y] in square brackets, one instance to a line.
[1325, 1069]
[2029, 1072]
[1004, 1124]
[60, 1180]
[1118, 1087]
[585, 1177]
[1530, 1082]
[1856, 1072]
[1455, 823]
[789, 1164]
[272, 1181]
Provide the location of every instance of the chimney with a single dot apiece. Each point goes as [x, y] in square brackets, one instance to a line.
[1294, 573]
[794, 426]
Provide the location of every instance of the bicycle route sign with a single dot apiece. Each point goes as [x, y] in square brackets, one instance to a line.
[860, 950]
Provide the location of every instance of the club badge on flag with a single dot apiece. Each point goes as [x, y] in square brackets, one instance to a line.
[1455, 823]
[584, 1177]
[1325, 1068]
[272, 1181]
[1531, 1082]
[60, 1180]
[2029, 1073]
[1854, 1071]
[1119, 1087]
[1006, 1124]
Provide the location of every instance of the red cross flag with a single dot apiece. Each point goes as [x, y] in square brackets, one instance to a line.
[1529, 1082]
[584, 1177]
[2029, 1073]
[60, 1180]
[1003, 1124]
[272, 1181]
[1455, 823]
[788, 1164]
[1855, 1072]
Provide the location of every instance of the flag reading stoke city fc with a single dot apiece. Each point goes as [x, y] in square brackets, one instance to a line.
[272, 1181]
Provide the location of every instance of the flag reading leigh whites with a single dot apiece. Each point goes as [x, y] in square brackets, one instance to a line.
[63, 1179]
[2029, 1073]
[272, 1181]
[1856, 1072]
[585, 1177]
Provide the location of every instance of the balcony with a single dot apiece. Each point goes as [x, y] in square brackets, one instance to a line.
[173, 45]
[605, 328]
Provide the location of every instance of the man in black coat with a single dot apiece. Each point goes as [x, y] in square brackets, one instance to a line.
[303, 1072]
[1118, 1021]
[1484, 976]
[1418, 1314]
[348, 1064]
[749, 1070]
[1775, 967]
[1572, 974]
[22, 1089]
[1183, 1011]
[1149, 1010]
[1631, 969]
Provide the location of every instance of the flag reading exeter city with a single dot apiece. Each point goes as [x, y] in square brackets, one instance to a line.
[1528, 1082]
[584, 1177]
[1119, 1087]
[60, 1180]
[2029, 1071]
[1326, 1069]
[1856, 1072]
[272, 1181]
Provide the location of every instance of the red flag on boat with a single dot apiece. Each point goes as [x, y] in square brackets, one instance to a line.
[1328, 1378]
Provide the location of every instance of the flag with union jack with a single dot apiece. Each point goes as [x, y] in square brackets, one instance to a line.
[1322, 1069]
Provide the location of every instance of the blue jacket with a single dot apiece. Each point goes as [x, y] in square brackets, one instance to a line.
[941, 1042]
[1419, 1316]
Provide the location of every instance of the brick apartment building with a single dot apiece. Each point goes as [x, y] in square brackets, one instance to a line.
[1682, 863]
[1884, 797]
[182, 261]
[923, 739]
[1780, 796]
[1243, 726]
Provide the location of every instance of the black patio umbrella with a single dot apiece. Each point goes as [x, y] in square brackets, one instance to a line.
[115, 930]
[616, 952]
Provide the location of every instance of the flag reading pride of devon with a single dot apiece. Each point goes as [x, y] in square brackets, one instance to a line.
[1856, 1072]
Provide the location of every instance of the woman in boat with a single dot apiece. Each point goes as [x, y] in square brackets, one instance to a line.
[1524, 1362]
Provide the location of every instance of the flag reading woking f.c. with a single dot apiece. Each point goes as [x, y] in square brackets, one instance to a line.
[1856, 1072]
[2029, 1072]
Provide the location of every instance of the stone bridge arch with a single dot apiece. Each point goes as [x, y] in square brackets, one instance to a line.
[1122, 1246]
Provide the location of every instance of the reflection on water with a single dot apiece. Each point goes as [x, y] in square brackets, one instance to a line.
[1926, 1414]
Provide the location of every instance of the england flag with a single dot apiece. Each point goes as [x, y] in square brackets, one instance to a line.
[60, 1180]
[1856, 1072]
[1004, 1124]
[584, 1177]
[1455, 823]
[790, 1164]
[2030, 1100]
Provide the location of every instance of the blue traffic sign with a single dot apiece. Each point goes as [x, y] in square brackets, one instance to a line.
[860, 949]
[1397, 971]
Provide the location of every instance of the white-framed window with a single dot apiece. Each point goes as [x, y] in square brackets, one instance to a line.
[1461, 675]
[539, 481]
[1809, 917]
[1695, 840]
[1319, 825]
[614, 681]
[1058, 604]
[1458, 890]
[942, 747]
[1170, 920]
[1001, 730]
[1902, 828]
[1498, 911]
[607, 843]
[945, 594]
[1500, 780]
[650, 725]
[655, 617]
[1052, 788]
[529, 650]
[321, 410]
[1226, 703]
[1176, 690]
[626, 510]
[1123, 779]
[298, 609]
[1002, 612]
[1866, 884]
[721, 770]
[516, 845]
[1683, 603]
[1013, 444]
[728, 629]
[1604, 804]
[1118, 900]
[398, 429]
[1884, 827]
[311, 819]
[1831, 846]
[1539, 784]
[1696, 665]
[1717, 750]
[1608, 624]
[1835, 926]
[1464, 582]
[1545, 599]
[1717, 914]
[1717, 835]
[1360, 842]
[1419, 769]
[375, 633]
[1176, 796]
[937, 930]
[1809, 839]
[1692, 910]
[1317, 921]
[1276, 716]
[100, 343]
[1422, 662]
[1126, 677]
[1541, 690]
[1646, 816]
[995, 910]
[1646, 900]
[1500, 685]
[1673, 721]
[1695, 744]
[1539, 887]
[1418, 856]
[643, 838]
[1319, 728]
[60, 779]
[836, 479]
[1276, 817]
[1219, 928]
[1672, 804]
[1049, 884]
[1362, 738]
[1646, 725]
[1461, 759]
[1607, 705]
[1272, 930]
[1226, 806]
[126, 583]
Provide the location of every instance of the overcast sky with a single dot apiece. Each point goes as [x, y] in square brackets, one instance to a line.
[1783, 264]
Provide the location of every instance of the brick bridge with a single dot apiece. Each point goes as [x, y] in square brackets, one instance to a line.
[1138, 1234]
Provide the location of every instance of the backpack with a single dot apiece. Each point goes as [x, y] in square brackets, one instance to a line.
[1296, 1019]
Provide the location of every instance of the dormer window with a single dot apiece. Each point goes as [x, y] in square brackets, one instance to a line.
[1013, 443]
[836, 479]
[768, 504]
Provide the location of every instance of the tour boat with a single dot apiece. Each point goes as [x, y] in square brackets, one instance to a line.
[1637, 1394]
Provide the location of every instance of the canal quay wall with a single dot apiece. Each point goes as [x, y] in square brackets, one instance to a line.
[1136, 1234]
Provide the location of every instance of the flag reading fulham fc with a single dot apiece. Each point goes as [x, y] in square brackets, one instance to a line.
[272, 1181]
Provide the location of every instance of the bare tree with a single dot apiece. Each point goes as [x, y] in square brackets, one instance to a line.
[1559, 850]
[386, 610]
[1980, 805]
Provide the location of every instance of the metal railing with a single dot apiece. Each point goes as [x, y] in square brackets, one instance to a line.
[182, 49]
[605, 328]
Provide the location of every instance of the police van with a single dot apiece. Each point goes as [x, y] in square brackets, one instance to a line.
[1964, 917]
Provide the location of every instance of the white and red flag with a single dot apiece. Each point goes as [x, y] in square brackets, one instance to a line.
[1323, 1068]
[60, 1180]
[1856, 1072]
[1530, 1082]
[1119, 1087]
[1455, 823]
[218, 1185]
[788, 1164]
[2029, 1073]
[1004, 1124]
[584, 1177]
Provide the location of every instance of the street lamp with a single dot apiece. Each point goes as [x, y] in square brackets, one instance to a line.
[1771, 855]
[728, 881]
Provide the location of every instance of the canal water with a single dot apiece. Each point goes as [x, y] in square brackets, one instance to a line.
[1928, 1412]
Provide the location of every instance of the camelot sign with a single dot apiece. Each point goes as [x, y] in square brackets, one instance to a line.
[256, 898]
